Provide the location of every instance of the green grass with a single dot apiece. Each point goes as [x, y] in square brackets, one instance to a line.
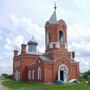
[14, 85]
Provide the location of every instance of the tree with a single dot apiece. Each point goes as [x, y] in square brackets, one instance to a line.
[7, 76]
[86, 74]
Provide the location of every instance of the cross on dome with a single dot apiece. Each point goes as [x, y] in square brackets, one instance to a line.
[55, 7]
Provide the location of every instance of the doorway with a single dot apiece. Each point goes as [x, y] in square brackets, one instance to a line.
[63, 73]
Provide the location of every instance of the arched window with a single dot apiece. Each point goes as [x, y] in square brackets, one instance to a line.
[17, 75]
[61, 37]
[39, 73]
[33, 74]
[29, 74]
[48, 38]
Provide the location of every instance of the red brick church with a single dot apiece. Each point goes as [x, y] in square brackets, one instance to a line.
[57, 63]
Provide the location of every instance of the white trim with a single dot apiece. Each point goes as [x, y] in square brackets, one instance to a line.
[47, 38]
[17, 75]
[29, 74]
[55, 51]
[57, 44]
[39, 73]
[65, 72]
[33, 74]
[66, 46]
[50, 45]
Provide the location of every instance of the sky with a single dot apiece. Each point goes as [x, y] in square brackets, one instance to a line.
[22, 19]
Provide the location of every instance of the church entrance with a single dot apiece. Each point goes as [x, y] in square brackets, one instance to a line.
[62, 73]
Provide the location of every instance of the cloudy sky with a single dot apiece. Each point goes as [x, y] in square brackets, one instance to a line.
[22, 19]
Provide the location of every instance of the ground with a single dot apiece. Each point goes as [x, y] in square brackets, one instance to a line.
[2, 87]
[15, 85]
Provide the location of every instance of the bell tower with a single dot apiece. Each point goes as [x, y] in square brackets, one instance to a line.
[55, 33]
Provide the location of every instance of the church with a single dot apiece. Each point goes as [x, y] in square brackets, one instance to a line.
[56, 64]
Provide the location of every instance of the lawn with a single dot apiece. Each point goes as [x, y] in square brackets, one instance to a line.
[15, 85]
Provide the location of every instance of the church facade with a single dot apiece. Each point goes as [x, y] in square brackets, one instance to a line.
[57, 63]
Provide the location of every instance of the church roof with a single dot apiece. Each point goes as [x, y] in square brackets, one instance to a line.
[34, 53]
[45, 58]
[53, 18]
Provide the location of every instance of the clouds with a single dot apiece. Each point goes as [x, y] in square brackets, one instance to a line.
[78, 39]
[20, 29]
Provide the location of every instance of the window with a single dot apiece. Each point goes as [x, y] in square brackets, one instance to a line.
[39, 73]
[17, 63]
[18, 75]
[48, 38]
[33, 72]
[61, 38]
[29, 74]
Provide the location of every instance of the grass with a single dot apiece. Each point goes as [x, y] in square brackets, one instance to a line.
[15, 85]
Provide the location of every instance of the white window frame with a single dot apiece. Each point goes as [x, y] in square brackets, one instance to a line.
[47, 38]
[33, 74]
[29, 74]
[17, 63]
[18, 75]
[39, 73]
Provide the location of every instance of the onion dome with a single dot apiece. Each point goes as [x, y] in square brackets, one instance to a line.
[32, 45]
[32, 42]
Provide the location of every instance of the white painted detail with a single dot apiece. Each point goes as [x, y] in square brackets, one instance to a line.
[39, 73]
[47, 38]
[33, 74]
[17, 75]
[57, 45]
[29, 74]
[65, 72]
[66, 46]
[51, 45]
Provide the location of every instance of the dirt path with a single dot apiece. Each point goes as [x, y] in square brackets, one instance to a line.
[2, 87]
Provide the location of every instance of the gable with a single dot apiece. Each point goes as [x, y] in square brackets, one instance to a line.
[63, 58]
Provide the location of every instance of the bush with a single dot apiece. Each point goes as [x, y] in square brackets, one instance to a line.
[5, 75]
[10, 77]
[86, 74]
[88, 80]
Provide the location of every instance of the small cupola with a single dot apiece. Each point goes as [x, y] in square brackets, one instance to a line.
[32, 45]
